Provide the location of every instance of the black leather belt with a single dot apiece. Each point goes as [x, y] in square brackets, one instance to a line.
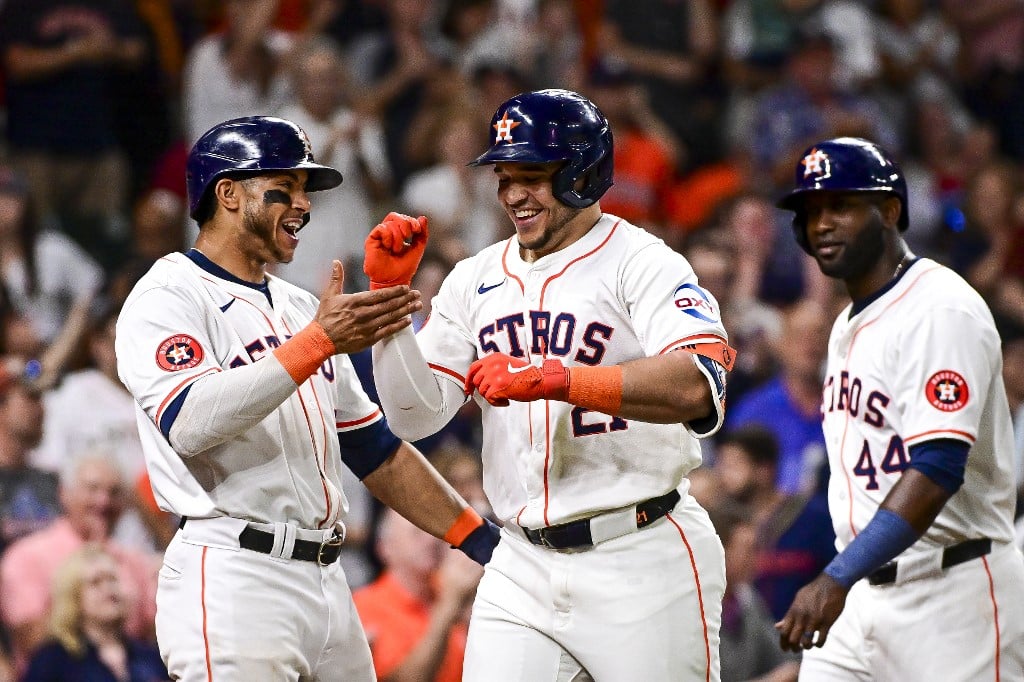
[951, 556]
[577, 533]
[323, 553]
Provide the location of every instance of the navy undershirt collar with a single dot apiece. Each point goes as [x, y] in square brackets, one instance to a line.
[200, 259]
[865, 302]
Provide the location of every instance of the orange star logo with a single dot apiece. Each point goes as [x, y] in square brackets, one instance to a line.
[504, 127]
[816, 163]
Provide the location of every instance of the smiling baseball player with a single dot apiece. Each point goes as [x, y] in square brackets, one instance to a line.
[248, 407]
[927, 584]
[597, 361]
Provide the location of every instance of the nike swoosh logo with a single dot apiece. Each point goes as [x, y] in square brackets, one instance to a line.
[224, 308]
[484, 289]
[517, 370]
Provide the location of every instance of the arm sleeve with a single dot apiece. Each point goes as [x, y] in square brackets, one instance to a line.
[196, 404]
[415, 399]
[943, 460]
[420, 377]
[222, 405]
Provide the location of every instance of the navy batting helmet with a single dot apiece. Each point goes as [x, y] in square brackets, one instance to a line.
[250, 146]
[843, 164]
[555, 125]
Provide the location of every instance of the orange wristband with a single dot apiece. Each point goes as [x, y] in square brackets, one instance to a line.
[596, 388]
[467, 522]
[303, 354]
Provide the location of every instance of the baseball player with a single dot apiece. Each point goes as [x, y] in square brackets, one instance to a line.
[919, 442]
[597, 360]
[247, 407]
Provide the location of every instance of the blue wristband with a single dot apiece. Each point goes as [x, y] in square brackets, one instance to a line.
[480, 544]
[885, 536]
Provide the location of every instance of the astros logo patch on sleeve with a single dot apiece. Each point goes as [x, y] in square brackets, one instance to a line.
[947, 391]
[179, 352]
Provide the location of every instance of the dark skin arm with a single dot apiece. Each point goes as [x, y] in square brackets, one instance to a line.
[918, 500]
[408, 483]
[665, 389]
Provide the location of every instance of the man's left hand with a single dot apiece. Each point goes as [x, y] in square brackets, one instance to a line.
[815, 608]
[500, 378]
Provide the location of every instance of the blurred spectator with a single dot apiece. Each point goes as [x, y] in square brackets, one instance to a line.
[88, 641]
[749, 646]
[91, 411]
[809, 105]
[394, 68]
[554, 48]
[753, 325]
[669, 45]
[646, 149]
[346, 21]
[235, 73]
[50, 280]
[1012, 334]
[770, 266]
[699, 195]
[918, 49]
[62, 59]
[795, 540]
[759, 36]
[157, 224]
[356, 558]
[92, 496]
[458, 199]
[29, 498]
[492, 84]
[434, 267]
[992, 65]
[415, 614]
[478, 36]
[462, 467]
[789, 405]
[980, 248]
[347, 139]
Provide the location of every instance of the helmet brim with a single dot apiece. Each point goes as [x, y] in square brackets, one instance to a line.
[512, 153]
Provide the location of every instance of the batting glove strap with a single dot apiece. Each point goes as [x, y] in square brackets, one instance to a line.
[479, 545]
[554, 380]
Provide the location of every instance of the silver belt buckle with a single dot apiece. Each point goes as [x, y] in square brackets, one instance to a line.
[544, 538]
[334, 541]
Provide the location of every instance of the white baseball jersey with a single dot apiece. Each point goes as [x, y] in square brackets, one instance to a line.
[921, 361]
[183, 322]
[617, 294]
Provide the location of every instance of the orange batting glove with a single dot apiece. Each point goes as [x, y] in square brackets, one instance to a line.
[500, 378]
[394, 249]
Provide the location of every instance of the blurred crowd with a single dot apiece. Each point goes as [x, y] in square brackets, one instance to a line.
[710, 101]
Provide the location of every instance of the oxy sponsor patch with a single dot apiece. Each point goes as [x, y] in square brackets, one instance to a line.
[179, 352]
[696, 302]
[946, 390]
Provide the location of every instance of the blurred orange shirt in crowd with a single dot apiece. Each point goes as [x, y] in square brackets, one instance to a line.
[643, 173]
[395, 621]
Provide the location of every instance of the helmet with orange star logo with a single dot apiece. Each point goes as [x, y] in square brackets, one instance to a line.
[250, 146]
[555, 125]
[843, 164]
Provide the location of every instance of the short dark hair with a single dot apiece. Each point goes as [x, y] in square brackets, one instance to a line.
[208, 204]
[759, 444]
